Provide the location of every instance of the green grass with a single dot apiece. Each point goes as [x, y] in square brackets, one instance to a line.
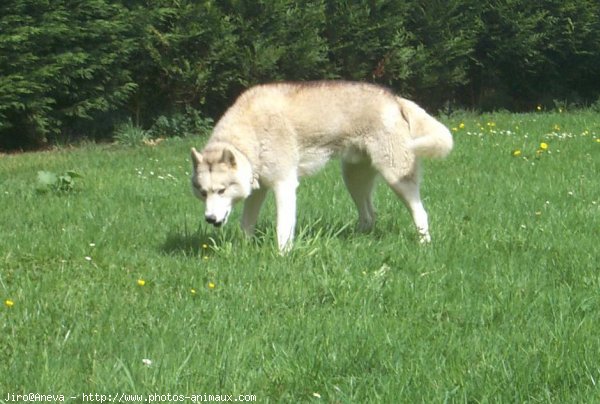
[504, 306]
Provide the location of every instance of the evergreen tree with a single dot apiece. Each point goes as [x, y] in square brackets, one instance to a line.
[77, 67]
[61, 62]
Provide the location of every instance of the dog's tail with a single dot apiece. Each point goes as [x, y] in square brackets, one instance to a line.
[430, 138]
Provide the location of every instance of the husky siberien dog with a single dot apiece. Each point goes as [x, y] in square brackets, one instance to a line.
[276, 133]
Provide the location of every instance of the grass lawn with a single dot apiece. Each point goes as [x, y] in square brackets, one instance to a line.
[115, 285]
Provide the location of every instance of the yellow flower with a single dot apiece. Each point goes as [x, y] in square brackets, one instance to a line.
[544, 146]
[9, 303]
[516, 153]
[597, 140]
[193, 291]
[211, 285]
[462, 125]
[204, 246]
[556, 127]
[141, 282]
[539, 107]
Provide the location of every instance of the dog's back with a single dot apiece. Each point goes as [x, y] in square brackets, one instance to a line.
[318, 109]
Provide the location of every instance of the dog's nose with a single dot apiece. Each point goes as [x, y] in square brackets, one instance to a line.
[213, 220]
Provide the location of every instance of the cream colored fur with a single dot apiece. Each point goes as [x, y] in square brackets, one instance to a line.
[276, 133]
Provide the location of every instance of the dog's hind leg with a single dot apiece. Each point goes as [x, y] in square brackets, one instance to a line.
[408, 190]
[406, 186]
[360, 179]
[402, 172]
[252, 206]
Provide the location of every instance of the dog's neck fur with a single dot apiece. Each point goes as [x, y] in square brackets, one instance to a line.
[242, 159]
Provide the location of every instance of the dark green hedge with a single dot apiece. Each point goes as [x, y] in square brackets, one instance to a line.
[78, 68]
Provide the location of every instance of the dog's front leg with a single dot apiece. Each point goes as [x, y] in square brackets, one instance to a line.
[252, 206]
[285, 201]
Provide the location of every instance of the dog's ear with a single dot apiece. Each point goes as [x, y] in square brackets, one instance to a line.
[228, 158]
[196, 157]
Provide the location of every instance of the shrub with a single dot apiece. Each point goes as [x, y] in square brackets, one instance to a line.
[130, 134]
[49, 181]
[184, 124]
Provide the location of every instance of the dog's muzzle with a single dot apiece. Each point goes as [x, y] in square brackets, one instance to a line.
[213, 220]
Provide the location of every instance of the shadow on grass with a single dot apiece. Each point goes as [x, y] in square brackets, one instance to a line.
[183, 244]
[343, 230]
[187, 243]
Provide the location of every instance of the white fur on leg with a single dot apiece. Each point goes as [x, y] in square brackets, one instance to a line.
[409, 192]
[252, 207]
[420, 218]
[285, 200]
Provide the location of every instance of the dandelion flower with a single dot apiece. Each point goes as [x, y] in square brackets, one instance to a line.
[211, 285]
[544, 146]
[193, 291]
[597, 140]
[204, 246]
[141, 282]
[516, 153]
[9, 303]
[539, 107]
[462, 125]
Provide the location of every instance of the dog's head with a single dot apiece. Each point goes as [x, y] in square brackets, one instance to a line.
[221, 176]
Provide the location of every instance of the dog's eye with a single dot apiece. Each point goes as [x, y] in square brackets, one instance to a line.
[221, 191]
[200, 190]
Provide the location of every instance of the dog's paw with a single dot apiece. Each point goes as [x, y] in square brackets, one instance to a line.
[424, 238]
